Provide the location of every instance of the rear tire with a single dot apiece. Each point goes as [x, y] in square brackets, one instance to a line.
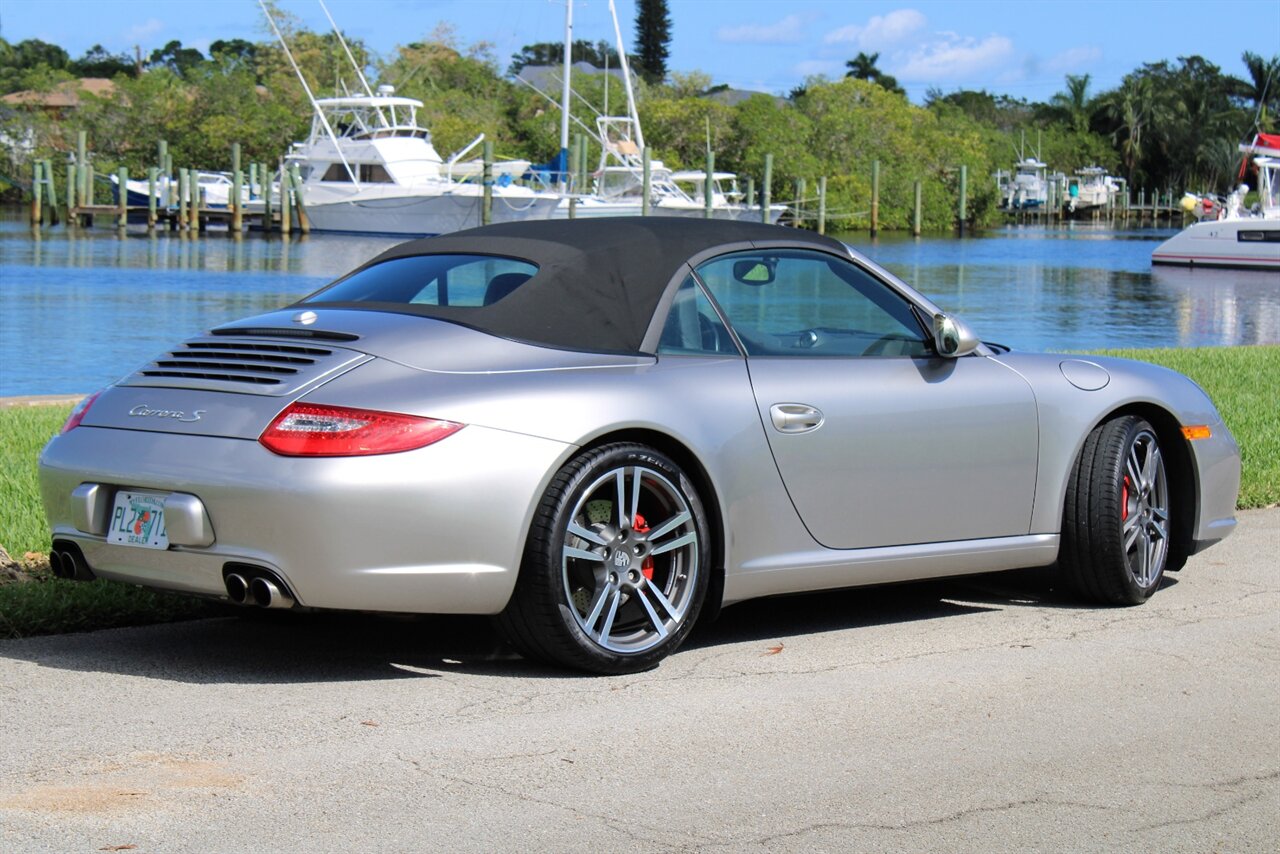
[615, 568]
[1116, 524]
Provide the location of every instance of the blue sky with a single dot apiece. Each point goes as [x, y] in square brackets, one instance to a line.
[1021, 48]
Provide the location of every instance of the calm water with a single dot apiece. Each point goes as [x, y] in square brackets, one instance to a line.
[81, 309]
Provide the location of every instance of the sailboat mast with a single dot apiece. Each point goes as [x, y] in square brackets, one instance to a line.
[343, 42]
[319, 112]
[626, 77]
[564, 95]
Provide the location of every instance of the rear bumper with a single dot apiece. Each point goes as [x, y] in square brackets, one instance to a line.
[436, 530]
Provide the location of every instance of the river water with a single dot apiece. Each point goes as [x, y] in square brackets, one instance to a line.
[79, 309]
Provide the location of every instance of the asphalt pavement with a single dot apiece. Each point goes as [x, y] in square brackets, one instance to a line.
[990, 713]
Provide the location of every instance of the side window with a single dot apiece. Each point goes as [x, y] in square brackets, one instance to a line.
[799, 303]
[693, 327]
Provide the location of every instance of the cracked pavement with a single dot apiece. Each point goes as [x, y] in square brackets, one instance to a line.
[989, 713]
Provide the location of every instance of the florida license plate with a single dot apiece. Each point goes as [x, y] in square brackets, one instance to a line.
[137, 519]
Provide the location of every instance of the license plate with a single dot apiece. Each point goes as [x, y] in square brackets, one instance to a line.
[138, 520]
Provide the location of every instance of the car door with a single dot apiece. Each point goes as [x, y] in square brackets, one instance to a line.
[879, 441]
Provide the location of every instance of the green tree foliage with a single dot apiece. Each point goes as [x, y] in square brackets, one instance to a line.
[1167, 125]
[176, 58]
[29, 63]
[97, 62]
[1261, 89]
[463, 93]
[653, 40]
[598, 53]
[1074, 105]
[863, 67]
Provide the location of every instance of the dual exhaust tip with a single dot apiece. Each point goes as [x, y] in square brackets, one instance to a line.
[246, 585]
[255, 587]
[67, 562]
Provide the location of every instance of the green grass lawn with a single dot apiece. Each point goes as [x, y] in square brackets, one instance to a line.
[44, 604]
[1244, 382]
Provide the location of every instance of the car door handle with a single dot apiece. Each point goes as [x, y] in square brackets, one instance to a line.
[795, 417]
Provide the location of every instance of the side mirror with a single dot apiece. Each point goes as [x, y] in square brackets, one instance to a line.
[952, 337]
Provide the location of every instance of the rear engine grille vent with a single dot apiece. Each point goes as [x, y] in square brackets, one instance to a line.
[236, 361]
[246, 365]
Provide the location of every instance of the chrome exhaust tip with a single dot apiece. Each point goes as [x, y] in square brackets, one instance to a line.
[67, 561]
[266, 594]
[56, 565]
[237, 588]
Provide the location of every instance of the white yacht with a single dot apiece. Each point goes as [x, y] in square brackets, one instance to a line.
[1026, 188]
[1090, 188]
[1247, 238]
[618, 182]
[369, 166]
[618, 187]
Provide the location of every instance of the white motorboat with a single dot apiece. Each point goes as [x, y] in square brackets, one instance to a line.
[618, 185]
[1027, 187]
[618, 188]
[1247, 238]
[213, 190]
[369, 167]
[1090, 188]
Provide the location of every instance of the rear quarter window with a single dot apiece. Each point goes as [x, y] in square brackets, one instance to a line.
[445, 280]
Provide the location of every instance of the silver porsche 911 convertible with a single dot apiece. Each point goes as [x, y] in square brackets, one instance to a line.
[600, 431]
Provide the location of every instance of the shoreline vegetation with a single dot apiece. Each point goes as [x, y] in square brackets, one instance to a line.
[1169, 126]
[1241, 381]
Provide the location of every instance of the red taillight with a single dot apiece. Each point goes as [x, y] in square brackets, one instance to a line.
[313, 430]
[77, 415]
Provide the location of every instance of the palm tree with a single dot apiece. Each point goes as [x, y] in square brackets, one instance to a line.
[863, 67]
[1262, 89]
[1074, 105]
[1129, 110]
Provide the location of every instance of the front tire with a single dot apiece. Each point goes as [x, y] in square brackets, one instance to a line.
[1116, 524]
[615, 567]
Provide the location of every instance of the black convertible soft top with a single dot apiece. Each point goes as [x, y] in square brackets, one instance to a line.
[598, 283]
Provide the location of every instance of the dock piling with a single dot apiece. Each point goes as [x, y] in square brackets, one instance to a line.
[647, 189]
[875, 197]
[766, 188]
[82, 161]
[964, 193]
[486, 209]
[708, 200]
[37, 194]
[916, 210]
[72, 181]
[122, 197]
[822, 205]
[299, 200]
[152, 174]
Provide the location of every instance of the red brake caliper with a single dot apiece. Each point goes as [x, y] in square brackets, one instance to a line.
[1124, 499]
[642, 527]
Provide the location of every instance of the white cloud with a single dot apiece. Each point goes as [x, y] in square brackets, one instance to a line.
[1074, 59]
[880, 30]
[952, 56]
[786, 31]
[145, 30]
